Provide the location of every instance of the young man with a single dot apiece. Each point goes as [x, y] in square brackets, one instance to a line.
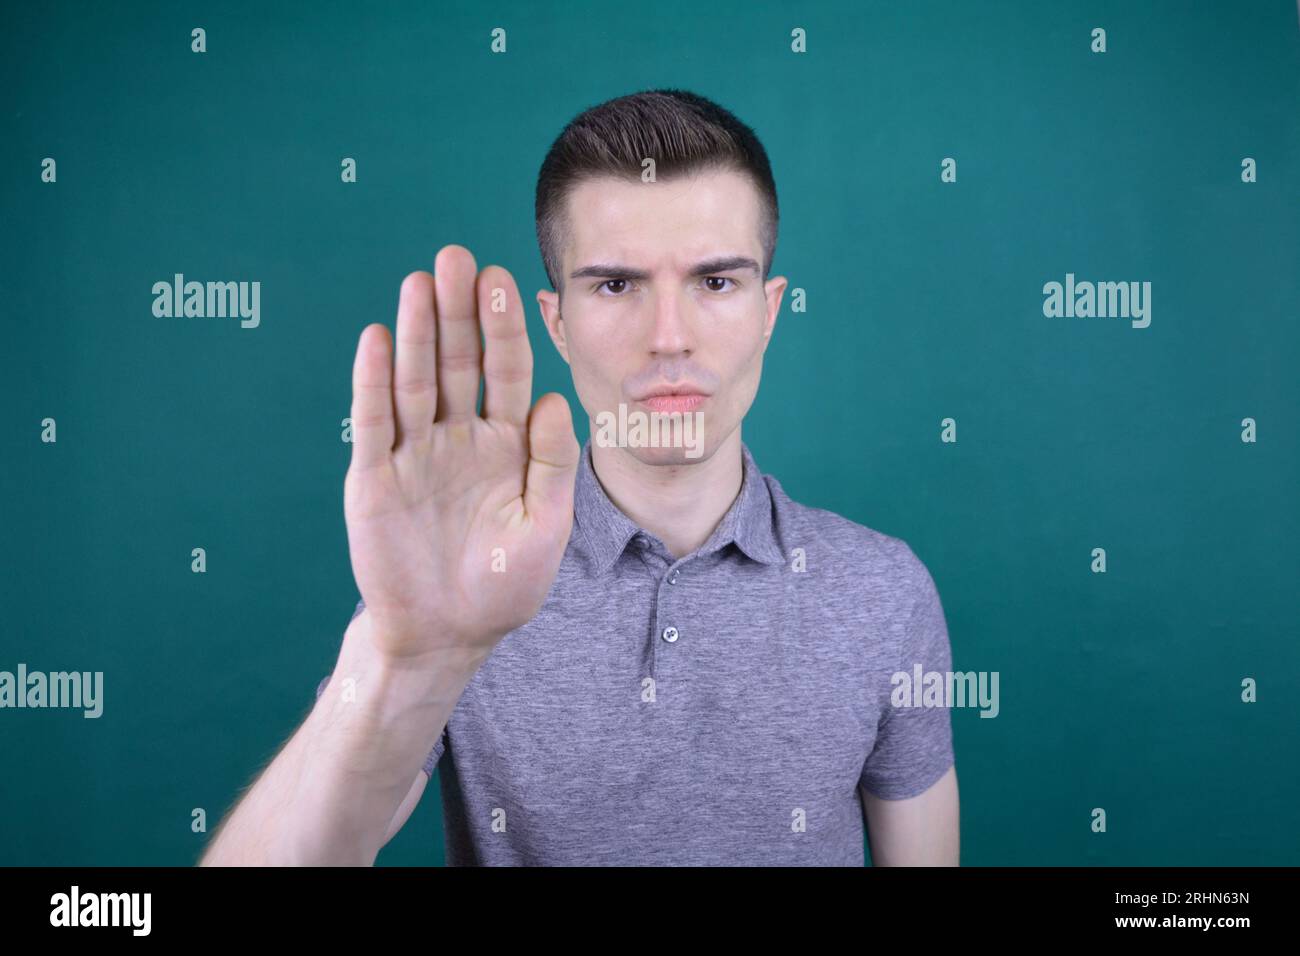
[624, 653]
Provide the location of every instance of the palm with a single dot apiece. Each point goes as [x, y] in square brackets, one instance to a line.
[456, 522]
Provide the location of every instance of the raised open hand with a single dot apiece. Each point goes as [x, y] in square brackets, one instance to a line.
[434, 489]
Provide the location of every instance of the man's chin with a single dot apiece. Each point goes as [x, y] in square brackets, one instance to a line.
[669, 456]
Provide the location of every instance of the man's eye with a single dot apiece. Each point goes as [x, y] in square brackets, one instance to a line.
[709, 280]
[615, 286]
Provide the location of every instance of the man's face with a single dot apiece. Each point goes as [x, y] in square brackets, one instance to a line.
[662, 286]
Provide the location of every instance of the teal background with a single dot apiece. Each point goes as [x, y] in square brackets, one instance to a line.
[1118, 690]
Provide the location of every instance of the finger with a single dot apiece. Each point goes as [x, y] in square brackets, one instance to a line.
[460, 353]
[507, 357]
[372, 398]
[415, 380]
[552, 457]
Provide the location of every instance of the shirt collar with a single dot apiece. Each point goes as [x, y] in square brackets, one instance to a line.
[607, 530]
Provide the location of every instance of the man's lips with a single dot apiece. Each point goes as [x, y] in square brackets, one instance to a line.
[684, 402]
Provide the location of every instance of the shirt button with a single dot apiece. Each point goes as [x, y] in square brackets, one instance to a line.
[670, 634]
[672, 578]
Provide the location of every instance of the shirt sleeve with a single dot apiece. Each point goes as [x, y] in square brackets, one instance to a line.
[913, 746]
[431, 761]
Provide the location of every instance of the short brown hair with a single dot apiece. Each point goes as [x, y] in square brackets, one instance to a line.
[682, 132]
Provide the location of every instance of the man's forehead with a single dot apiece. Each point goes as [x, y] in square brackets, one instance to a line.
[694, 215]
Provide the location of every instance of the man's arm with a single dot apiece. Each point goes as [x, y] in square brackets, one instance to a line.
[923, 830]
[914, 744]
[434, 493]
[342, 785]
[408, 806]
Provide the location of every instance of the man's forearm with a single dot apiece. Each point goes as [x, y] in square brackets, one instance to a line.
[328, 796]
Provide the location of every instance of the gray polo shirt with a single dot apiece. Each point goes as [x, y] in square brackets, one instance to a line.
[718, 709]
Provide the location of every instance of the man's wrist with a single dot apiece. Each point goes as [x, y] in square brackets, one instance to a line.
[370, 730]
[456, 657]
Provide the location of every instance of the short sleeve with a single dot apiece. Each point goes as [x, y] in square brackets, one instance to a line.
[913, 746]
[431, 761]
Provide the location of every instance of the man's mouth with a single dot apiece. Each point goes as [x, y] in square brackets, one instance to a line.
[674, 403]
[674, 400]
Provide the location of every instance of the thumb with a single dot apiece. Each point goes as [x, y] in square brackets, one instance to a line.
[552, 457]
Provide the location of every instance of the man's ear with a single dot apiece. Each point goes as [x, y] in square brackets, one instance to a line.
[550, 305]
[773, 289]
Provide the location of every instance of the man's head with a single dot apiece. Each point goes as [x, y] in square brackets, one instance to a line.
[660, 280]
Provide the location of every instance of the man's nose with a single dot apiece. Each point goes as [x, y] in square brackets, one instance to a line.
[670, 331]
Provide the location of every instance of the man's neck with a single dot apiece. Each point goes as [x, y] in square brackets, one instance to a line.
[681, 505]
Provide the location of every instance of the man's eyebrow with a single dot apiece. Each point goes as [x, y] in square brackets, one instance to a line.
[605, 270]
[724, 264]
